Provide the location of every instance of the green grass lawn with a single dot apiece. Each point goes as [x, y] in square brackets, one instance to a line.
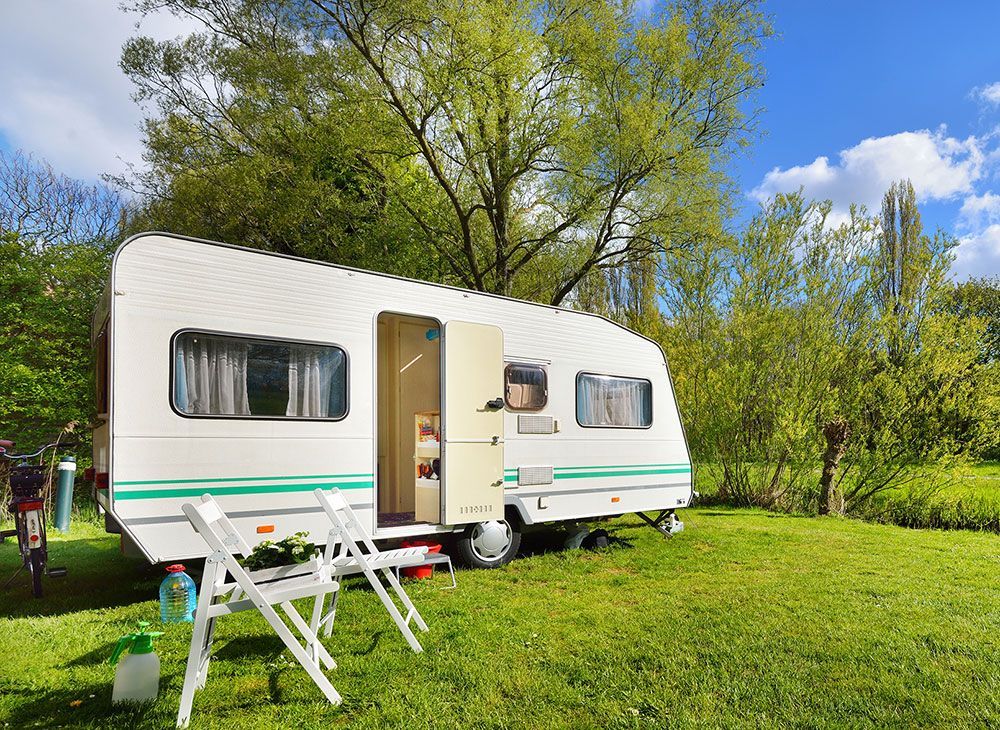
[745, 619]
[981, 481]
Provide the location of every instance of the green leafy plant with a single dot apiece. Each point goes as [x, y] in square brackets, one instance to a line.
[288, 551]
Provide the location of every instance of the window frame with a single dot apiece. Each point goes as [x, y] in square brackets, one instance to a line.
[545, 387]
[102, 370]
[171, 385]
[576, 400]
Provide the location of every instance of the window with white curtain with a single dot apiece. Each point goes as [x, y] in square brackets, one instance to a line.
[613, 402]
[224, 375]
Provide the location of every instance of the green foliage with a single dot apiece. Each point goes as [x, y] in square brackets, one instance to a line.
[287, 551]
[47, 296]
[510, 147]
[795, 324]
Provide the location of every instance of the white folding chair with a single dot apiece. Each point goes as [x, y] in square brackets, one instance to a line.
[344, 556]
[259, 590]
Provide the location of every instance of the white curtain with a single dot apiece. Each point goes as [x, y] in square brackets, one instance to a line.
[211, 376]
[311, 373]
[605, 401]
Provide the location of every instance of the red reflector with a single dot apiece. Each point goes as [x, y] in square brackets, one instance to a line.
[101, 480]
[33, 538]
[28, 506]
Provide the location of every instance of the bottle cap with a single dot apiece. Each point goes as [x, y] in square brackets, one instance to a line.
[175, 568]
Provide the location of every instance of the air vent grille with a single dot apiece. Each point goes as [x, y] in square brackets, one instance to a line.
[532, 475]
[535, 424]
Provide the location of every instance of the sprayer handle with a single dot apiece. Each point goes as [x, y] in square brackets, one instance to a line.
[123, 643]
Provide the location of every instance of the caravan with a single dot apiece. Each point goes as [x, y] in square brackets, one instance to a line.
[257, 377]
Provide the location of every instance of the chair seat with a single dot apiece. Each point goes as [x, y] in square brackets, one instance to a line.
[399, 557]
[290, 589]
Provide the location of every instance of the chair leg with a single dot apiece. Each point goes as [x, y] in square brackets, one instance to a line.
[328, 620]
[394, 582]
[390, 606]
[301, 655]
[200, 643]
[313, 644]
[206, 656]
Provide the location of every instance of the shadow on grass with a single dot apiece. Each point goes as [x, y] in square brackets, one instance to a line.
[553, 540]
[81, 705]
[98, 576]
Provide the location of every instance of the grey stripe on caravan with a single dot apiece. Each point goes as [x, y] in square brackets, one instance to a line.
[244, 513]
[558, 492]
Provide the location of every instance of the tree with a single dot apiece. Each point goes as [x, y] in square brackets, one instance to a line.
[56, 238]
[40, 205]
[518, 147]
[257, 141]
[802, 349]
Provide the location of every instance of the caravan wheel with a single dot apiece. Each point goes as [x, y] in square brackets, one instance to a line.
[489, 544]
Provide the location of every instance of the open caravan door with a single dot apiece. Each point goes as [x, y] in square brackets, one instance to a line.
[473, 423]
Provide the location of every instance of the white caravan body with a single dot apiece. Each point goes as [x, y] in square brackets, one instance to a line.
[542, 464]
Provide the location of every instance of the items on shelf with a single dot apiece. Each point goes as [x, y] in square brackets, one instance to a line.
[427, 463]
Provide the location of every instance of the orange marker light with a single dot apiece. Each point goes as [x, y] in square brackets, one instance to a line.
[262, 529]
[616, 499]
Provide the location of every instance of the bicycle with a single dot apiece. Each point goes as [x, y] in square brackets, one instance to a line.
[27, 506]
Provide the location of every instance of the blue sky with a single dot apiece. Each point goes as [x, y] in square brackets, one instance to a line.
[898, 89]
[857, 94]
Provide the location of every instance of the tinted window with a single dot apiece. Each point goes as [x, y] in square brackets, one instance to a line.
[605, 400]
[221, 375]
[526, 387]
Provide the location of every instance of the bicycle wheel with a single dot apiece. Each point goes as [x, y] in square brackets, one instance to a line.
[37, 567]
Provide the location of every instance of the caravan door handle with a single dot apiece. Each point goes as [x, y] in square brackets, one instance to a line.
[496, 403]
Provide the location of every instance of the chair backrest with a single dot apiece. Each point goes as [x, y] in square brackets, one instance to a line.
[215, 527]
[346, 525]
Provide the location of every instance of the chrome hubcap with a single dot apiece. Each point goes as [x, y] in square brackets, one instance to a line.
[491, 539]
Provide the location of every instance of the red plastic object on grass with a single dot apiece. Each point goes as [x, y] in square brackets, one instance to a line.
[420, 571]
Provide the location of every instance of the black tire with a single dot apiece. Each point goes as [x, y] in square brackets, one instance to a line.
[474, 554]
[37, 567]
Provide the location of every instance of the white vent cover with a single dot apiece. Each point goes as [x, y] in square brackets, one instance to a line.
[532, 475]
[535, 424]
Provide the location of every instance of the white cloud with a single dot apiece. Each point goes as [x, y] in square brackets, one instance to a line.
[979, 209]
[64, 97]
[940, 167]
[989, 93]
[978, 254]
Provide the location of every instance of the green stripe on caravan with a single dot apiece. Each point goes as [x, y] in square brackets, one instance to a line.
[328, 482]
[607, 470]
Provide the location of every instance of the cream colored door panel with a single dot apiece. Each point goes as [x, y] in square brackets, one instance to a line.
[472, 429]
[473, 486]
[473, 362]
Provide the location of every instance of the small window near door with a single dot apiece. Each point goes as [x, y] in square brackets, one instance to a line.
[613, 402]
[526, 387]
[246, 377]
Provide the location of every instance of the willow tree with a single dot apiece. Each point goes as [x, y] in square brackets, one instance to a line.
[525, 145]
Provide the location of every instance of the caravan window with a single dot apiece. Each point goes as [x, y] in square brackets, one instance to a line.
[246, 377]
[526, 387]
[604, 400]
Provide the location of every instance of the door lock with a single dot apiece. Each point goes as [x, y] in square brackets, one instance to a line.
[496, 440]
[496, 403]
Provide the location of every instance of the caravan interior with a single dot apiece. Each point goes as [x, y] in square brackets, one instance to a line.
[409, 420]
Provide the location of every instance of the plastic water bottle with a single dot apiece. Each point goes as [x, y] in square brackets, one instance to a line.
[178, 596]
[138, 676]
